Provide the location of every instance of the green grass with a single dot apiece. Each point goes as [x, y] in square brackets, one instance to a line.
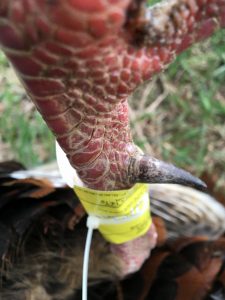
[152, 2]
[190, 120]
[21, 126]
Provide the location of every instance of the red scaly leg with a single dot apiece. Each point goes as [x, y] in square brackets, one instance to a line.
[79, 61]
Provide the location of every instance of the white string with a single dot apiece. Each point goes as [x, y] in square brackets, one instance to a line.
[92, 223]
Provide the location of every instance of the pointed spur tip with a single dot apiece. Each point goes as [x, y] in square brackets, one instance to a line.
[150, 170]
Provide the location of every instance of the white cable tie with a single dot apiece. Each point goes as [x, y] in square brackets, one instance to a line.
[92, 223]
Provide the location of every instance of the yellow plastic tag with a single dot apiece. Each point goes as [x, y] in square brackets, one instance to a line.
[124, 214]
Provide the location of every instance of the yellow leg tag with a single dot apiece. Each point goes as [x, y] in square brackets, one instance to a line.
[124, 215]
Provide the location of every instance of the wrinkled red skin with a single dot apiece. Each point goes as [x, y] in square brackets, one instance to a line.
[79, 60]
[79, 63]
